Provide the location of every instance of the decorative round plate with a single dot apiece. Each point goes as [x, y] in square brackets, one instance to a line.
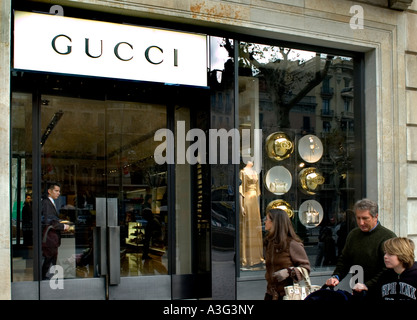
[310, 213]
[281, 204]
[310, 180]
[278, 180]
[310, 148]
[279, 146]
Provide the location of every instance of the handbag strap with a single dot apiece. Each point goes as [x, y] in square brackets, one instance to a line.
[305, 275]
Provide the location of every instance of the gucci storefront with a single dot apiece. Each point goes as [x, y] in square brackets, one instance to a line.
[148, 129]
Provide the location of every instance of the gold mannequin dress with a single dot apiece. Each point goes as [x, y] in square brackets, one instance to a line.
[251, 250]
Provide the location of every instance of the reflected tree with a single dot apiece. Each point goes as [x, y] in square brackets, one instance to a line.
[285, 73]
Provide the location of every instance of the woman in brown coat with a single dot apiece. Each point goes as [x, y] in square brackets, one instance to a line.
[284, 250]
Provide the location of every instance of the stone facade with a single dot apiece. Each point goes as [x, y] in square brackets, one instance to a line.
[5, 32]
[386, 37]
[411, 121]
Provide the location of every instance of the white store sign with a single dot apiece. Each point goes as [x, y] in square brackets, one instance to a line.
[66, 45]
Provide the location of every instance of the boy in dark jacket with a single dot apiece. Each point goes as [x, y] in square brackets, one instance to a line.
[399, 281]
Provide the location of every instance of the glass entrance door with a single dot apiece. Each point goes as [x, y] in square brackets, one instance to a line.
[113, 195]
[126, 223]
[137, 198]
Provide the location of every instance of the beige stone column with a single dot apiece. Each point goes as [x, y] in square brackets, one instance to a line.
[5, 32]
[411, 93]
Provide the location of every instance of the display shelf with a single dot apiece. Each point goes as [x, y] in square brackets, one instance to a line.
[136, 234]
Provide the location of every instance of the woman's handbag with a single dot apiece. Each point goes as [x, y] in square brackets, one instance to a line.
[300, 292]
[278, 186]
[312, 216]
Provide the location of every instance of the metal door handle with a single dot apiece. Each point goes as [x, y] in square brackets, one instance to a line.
[107, 239]
[114, 253]
[100, 252]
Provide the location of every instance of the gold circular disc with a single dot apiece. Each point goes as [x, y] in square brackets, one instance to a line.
[279, 146]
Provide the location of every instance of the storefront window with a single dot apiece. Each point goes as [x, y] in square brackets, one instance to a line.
[221, 81]
[100, 154]
[305, 163]
[22, 214]
[121, 216]
[223, 173]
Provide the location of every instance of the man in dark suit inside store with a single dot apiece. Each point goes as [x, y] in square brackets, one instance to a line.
[51, 228]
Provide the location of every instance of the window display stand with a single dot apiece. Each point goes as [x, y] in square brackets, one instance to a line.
[136, 233]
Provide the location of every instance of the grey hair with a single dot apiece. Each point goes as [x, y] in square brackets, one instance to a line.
[366, 204]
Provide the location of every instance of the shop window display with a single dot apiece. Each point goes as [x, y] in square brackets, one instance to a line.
[308, 151]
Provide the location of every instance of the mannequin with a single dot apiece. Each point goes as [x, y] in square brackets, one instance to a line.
[251, 250]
